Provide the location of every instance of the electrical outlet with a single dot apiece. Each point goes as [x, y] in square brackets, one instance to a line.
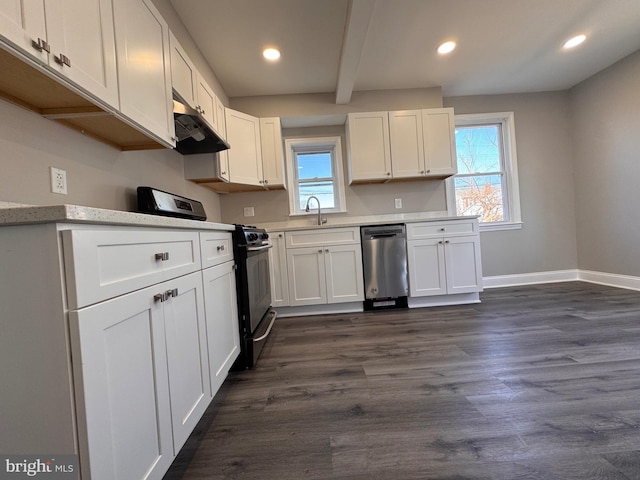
[248, 211]
[58, 181]
[398, 203]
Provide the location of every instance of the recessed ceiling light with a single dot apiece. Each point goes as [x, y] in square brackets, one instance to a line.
[446, 47]
[271, 54]
[574, 42]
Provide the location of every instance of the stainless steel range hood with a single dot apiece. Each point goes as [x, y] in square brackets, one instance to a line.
[193, 133]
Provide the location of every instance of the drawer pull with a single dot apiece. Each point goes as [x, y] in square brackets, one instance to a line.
[163, 256]
[62, 60]
[442, 229]
[172, 293]
[220, 248]
[41, 45]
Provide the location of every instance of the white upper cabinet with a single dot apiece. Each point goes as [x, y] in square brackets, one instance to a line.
[272, 153]
[245, 154]
[73, 37]
[190, 85]
[368, 146]
[401, 144]
[183, 73]
[21, 23]
[438, 133]
[144, 72]
[407, 148]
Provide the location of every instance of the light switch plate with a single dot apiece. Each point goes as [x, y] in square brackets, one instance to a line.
[248, 211]
[398, 203]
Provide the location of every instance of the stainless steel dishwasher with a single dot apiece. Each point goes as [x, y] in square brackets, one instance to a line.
[384, 258]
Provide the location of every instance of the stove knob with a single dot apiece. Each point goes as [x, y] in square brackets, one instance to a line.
[253, 236]
[265, 236]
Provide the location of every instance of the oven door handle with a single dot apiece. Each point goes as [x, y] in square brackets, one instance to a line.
[266, 334]
[261, 247]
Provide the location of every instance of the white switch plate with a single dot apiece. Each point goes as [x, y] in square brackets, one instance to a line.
[58, 181]
[398, 203]
[248, 211]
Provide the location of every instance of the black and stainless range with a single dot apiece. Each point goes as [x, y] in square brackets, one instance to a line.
[251, 248]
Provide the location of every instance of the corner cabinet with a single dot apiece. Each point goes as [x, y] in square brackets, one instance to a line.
[407, 144]
[135, 329]
[254, 162]
[444, 260]
[324, 266]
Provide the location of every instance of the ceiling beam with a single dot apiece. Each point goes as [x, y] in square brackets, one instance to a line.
[359, 16]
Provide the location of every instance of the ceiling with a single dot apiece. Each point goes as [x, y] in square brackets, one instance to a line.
[342, 46]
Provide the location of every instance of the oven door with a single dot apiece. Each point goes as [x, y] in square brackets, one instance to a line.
[258, 283]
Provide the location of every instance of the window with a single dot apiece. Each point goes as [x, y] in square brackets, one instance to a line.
[315, 168]
[487, 180]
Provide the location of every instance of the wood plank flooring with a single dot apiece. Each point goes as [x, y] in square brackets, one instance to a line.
[538, 382]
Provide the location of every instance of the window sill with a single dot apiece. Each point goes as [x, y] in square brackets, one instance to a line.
[489, 227]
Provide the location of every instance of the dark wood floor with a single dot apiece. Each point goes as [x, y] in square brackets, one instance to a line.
[537, 382]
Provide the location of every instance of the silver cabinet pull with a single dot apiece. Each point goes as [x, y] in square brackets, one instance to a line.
[161, 297]
[320, 251]
[163, 256]
[220, 248]
[41, 45]
[62, 60]
[326, 250]
[172, 293]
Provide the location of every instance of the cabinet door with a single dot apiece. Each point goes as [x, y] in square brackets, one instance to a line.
[272, 152]
[82, 31]
[306, 271]
[21, 22]
[245, 156]
[463, 264]
[187, 357]
[144, 73]
[368, 146]
[223, 156]
[122, 389]
[278, 271]
[223, 328]
[343, 264]
[407, 148]
[427, 274]
[206, 102]
[183, 73]
[438, 127]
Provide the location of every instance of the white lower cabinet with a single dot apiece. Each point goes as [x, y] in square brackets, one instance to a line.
[129, 362]
[278, 270]
[444, 258]
[221, 316]
[122, 388]
[325, 274]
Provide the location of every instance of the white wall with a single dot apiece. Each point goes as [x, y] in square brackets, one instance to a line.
[606, 132]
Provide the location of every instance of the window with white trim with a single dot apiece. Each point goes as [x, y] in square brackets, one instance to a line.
[315, 169]
[487, 180]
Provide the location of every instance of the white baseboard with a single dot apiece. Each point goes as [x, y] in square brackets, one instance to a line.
[530, 278]
[610, 279]
[601, 278]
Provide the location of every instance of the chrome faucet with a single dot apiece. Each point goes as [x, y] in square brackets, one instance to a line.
[321, 219]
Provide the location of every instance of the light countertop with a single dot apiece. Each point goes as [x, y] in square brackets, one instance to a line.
[19, 214]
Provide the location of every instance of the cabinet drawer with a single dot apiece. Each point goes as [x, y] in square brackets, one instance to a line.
[215, 248]
[441, 229]
[322, 237]
[102, 264]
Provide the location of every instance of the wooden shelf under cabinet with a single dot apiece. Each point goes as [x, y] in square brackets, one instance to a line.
[29, 87]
